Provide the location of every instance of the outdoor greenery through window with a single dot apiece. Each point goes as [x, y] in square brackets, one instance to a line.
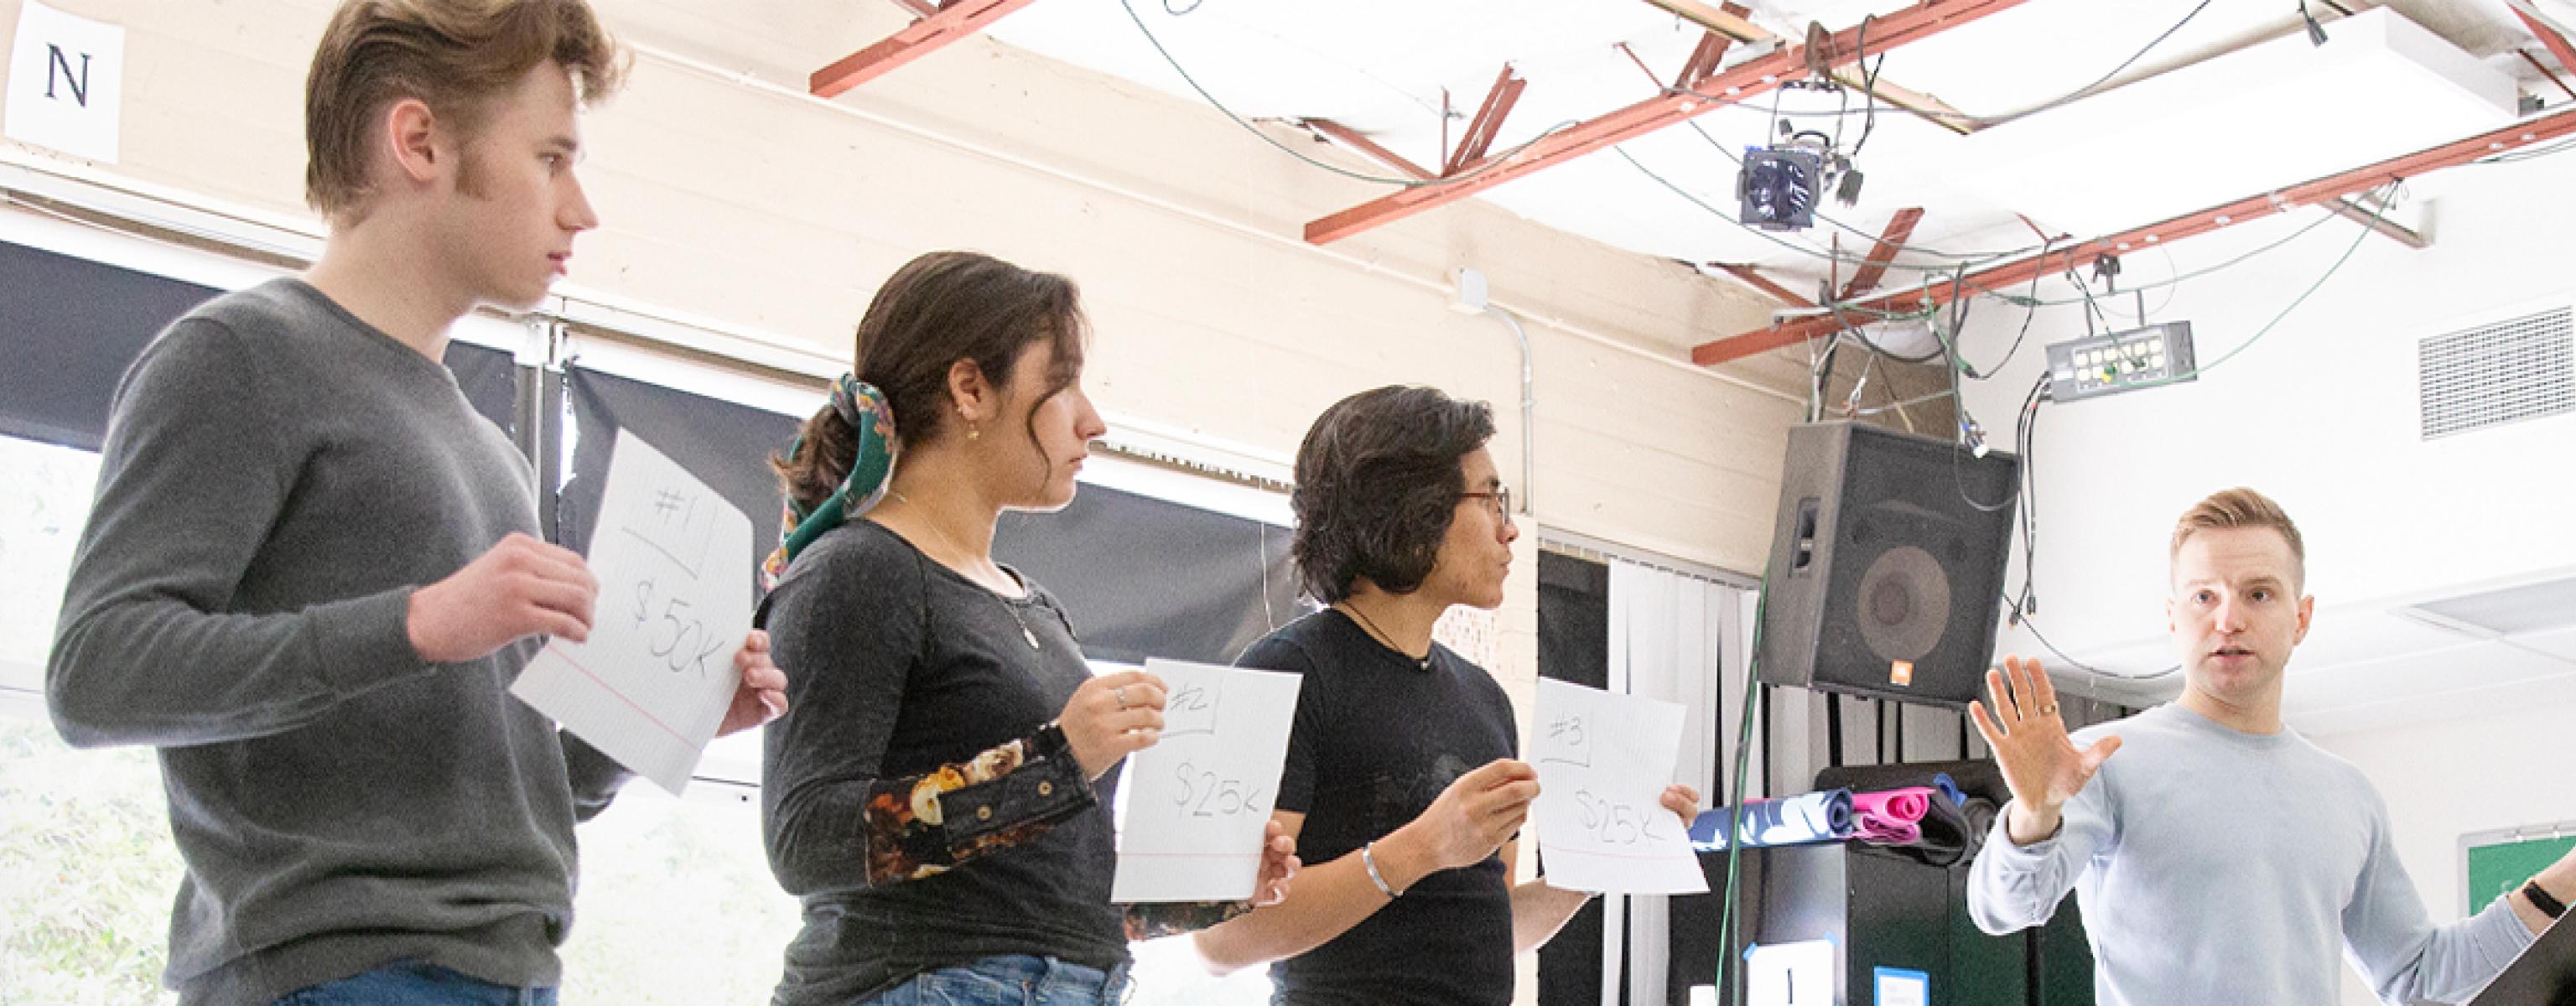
[676, 905]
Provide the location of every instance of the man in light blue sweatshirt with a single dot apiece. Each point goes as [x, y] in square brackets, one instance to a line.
[2224, 859]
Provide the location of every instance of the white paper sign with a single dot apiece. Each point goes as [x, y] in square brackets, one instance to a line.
[1191, 808]
[1603, 762]
[1789, 974]
[66, 81]
[651, 685]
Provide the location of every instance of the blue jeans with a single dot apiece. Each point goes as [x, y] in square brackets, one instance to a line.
[411, 983]
[1016, 980]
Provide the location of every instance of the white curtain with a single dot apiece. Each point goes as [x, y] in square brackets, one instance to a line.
[1667, 634]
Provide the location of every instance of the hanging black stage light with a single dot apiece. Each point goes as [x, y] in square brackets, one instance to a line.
[1776, 191]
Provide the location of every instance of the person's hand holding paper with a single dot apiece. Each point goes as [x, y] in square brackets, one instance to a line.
[1607, 819]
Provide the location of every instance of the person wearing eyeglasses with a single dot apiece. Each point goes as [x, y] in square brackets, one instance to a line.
[2222, 858]
[1403, 783]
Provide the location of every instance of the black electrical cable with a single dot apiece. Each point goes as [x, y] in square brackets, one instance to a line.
[2321, 220]
[2033, 626]
[2302, 298]
[2029, 315]
[1869, 86]
[1868, 83]
[1748, 228]
[1874, 347]
[1811, 252]
[2026, 435]
[2026, 443]
[1972, 258]
[1491, 163]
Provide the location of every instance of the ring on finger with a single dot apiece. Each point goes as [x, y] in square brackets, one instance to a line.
[1120, 693]
[2048, 710]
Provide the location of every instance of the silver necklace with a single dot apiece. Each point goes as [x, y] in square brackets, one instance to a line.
[1025, 632]
[1423, 662]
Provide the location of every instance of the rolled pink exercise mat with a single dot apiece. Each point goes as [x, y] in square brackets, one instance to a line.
[1894, 806]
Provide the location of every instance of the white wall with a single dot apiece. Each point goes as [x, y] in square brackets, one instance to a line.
[2321, 415]
[2445, 780]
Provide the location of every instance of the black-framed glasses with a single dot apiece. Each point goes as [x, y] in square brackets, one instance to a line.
[1502, 497]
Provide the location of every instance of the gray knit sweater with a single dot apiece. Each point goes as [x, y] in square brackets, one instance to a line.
[2221, 868]
[278, 477]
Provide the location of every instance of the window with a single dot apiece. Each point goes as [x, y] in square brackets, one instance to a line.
[675, 903]
[89, 873]
[90, 868]
[44, 502]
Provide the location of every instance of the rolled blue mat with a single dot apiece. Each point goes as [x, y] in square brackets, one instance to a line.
[1942, 781]
[1822, 816]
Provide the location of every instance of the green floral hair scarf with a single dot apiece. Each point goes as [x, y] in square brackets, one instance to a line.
[866, 411]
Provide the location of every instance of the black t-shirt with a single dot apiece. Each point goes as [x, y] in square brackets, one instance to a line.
[896, 666]
[1377, 738]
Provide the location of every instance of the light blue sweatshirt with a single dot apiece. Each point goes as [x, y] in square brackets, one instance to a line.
[2217, 868]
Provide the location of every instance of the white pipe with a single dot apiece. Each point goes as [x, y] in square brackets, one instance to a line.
[1529, 412]
[747, 79]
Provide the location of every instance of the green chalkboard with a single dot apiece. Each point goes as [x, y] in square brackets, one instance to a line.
[2500, 866]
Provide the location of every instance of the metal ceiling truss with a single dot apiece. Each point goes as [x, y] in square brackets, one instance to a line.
[938, 25]
[1752, 77]
[2329, 192]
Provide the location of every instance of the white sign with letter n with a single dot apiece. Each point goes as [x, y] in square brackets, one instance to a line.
[66, 82]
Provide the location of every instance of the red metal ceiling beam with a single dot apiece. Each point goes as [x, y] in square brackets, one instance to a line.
[1748, 79]
[2377, 220]
[1730, 22]
[2317, 192]
[1765, 284]
[1711, 51]
[2550, 37]
[957, 19]
[2545, 71]
[1704, 60]
[1377, 152]
[1488, 121]
[1874, 267]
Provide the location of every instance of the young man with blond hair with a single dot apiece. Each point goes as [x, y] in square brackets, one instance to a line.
[313, 570]
[2223, 858]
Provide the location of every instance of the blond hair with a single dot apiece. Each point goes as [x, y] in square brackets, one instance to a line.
[456, 56]
[2240, 507]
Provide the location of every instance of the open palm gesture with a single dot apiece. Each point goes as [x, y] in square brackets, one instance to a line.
[2039, 762]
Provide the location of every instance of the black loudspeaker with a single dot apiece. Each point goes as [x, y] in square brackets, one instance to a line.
[1887, 568]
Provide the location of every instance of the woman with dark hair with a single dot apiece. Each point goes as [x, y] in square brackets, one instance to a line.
[1402, 780]
[940, 800]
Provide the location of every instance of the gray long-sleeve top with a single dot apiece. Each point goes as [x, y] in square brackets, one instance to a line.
[2219, 867]
[277, 479]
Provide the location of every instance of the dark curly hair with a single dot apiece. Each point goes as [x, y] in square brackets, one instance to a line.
[1378, 484]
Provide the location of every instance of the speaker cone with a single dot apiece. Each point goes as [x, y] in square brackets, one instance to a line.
[1904, 601]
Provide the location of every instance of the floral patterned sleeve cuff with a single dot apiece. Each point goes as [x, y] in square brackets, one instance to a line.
[1148, 921]
[1008, 796]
